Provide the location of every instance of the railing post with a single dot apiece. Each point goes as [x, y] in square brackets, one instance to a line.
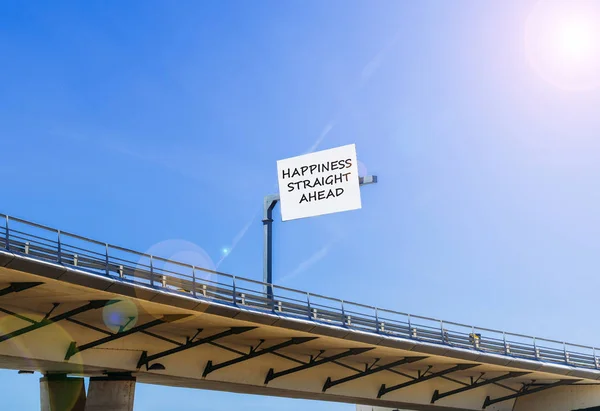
[308, 305]
[442, 331]
[344, 322]
[234, 296]
[7, 235]
[194, 281]
[566, 353]
[106, 260]
[474, 338]
[376, 319]
[59, 248]
[151, 271]
[535, 350]
[271, 302]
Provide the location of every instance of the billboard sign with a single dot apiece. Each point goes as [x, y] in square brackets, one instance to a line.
[318, 183]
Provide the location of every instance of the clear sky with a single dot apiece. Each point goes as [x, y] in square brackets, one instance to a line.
[145, 123]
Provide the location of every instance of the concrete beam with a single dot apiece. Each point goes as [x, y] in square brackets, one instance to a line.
[62, 393]
[113, 392]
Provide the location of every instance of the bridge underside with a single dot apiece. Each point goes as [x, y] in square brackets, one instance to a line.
[59, 320]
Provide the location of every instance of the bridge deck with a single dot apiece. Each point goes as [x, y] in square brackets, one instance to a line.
[212, 330]
[47, 244]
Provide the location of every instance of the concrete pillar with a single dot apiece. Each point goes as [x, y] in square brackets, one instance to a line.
[113, 392]
[566, 398]
[61, 393]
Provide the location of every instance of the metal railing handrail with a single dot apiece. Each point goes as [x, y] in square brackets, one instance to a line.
[311, 306]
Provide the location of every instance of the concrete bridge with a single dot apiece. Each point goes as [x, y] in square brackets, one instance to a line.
[72, 307]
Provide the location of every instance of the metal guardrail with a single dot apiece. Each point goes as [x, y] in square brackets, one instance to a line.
[48, 244]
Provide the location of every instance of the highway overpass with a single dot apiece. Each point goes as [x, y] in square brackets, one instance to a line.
[71, 307]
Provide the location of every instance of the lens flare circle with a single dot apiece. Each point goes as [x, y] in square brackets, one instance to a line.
[181, 251]
[178, 259]
[120, 316]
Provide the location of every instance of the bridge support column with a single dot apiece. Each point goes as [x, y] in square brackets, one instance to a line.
[61, 393]
[567, 398]
[113, 392]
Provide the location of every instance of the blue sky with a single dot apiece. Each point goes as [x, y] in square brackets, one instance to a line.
[147, 123]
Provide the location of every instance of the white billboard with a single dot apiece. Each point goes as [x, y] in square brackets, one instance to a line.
[319, 183]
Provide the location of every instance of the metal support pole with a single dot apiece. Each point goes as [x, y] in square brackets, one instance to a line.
[269, 204]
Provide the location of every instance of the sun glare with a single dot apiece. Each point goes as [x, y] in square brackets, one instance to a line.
[562, 41]
[576, 40]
